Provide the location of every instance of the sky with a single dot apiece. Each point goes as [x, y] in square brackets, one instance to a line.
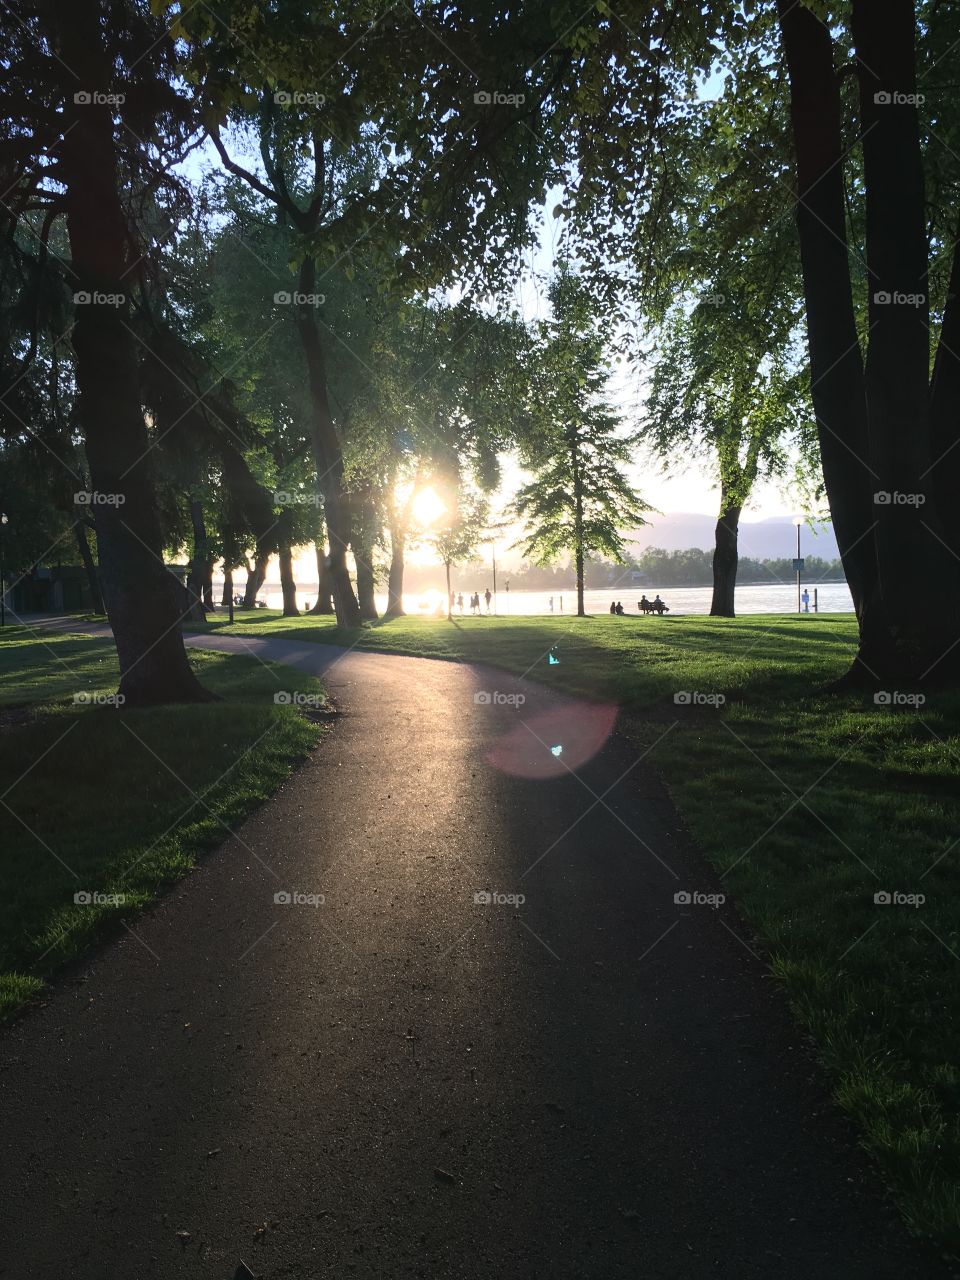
[687, 489]
[684, 489]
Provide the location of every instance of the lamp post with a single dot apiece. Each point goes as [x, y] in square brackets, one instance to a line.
[4, 521]
[798, 563]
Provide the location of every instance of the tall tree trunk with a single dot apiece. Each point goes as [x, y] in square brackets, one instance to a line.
[329, 456]
[446, 565]
[139, 592]
[255, 506]
[945, 406]
[86, 556]
[366, 586]
[287, 584]
[227, 586]
[725, 557]
[256, 577]
[915, 565]
[836, 364]
[364, 526]
[578, 525]
[395, 607]
[201, 564]
[324, 603]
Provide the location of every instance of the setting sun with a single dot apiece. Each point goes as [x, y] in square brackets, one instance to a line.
[428, 507]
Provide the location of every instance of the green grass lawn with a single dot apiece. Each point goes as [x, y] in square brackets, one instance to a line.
[808, 805]
[96, 802]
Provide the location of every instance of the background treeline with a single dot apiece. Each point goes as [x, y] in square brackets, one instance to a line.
[656, 567]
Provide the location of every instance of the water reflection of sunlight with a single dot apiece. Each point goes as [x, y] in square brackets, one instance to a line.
[429, 602]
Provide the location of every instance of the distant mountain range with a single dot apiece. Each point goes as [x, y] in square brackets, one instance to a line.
[764, 539]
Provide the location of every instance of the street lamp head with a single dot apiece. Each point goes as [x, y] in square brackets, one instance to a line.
[799, 520]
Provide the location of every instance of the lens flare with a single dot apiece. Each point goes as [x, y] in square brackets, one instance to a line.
[428, 507]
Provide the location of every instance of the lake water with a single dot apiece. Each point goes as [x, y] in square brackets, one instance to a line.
[833, 597]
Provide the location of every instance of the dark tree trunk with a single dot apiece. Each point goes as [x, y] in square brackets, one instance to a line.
[395, 607]
[914, 563]
[874, 423]
[366, 586]
[578, 526]
[364, 524]
[725, 558]
[287, 584]
[836, 365]
[446, 565]
[139, 592]
[945, 407]
[256, 578]
[201, 564]
[227, 587]
[86, 556]
[328, 454]
[255, 504]
[191, 606]
[324, 603]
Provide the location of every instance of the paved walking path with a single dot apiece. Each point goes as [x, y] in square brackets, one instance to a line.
[597, 1084]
